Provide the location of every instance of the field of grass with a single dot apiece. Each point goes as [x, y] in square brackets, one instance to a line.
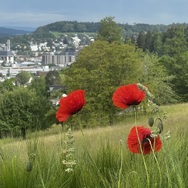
[102, 157]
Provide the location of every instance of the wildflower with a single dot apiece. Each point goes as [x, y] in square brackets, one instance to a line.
[70, 104]
[140, 138]
[128, 95]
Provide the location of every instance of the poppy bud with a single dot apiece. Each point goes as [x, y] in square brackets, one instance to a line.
[151, 121]
[160, 126]
[29, 166]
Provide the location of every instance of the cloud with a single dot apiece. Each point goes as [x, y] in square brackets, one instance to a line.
[35, 13]
[30, 18]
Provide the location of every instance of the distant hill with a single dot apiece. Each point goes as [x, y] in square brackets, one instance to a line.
[6, 32]
[66, 29]
[80, 27]
[27, 29]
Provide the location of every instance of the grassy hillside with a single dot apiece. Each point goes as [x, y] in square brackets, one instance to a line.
[102, 157]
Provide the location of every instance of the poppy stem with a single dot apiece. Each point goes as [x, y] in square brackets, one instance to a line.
[153, 151]
[62, 125]
[121, 165]
[140, 145]
[135, 115]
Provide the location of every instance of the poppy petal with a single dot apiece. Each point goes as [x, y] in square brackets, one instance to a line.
[140, 138]
[62, 117]
[70, 105]
[128, 95]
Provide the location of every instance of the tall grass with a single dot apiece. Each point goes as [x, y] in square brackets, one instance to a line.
[102, 158]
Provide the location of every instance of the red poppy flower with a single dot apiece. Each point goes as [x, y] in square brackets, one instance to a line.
[71, 104]
[144, 135]
[128, 95]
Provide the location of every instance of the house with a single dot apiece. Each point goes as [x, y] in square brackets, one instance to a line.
[76, 41]
[33, 46]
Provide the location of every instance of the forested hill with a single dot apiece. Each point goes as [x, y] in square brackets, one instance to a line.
[74, 26]
[46, 32]
[11, 32]
[80, 27]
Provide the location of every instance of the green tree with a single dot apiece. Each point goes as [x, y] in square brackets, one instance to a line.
[181, 79]
[42, 34]
[158, 80]
[52, 78]
[38, 84]
[23, 109]
[109, 31]
[174, 40]
[68, 27]
[23, 78]
[178, 70]
[141, 40]
[7, 85]
[156, 43]
[99, 69]
[148, 41]
[174, 57]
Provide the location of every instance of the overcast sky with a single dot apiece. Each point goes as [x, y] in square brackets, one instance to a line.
[35, 13]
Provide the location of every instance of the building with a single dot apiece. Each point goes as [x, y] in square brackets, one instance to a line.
[6, 56]
[63, 59]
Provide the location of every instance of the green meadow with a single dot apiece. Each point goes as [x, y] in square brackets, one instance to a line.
[101, 155]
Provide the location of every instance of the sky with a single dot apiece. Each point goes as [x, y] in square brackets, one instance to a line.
[36, 13]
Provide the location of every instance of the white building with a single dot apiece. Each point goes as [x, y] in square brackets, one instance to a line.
[34, 47]
[6, 55]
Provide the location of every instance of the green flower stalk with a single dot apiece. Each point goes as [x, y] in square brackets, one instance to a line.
[69, 152]
[30, 162]
[69, 105]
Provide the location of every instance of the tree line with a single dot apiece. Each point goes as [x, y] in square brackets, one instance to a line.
[93, 27]
[171, 47]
